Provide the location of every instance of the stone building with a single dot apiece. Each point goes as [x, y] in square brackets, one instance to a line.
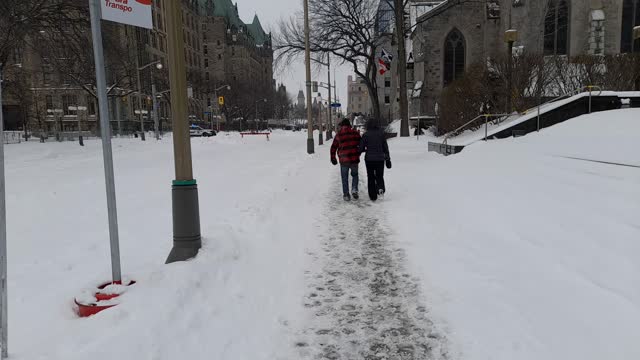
[238, 54]
[358, 97]
[453, 35]
[219, 49]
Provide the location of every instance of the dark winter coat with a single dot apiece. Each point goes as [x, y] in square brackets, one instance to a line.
[374, 144]
[346, 145]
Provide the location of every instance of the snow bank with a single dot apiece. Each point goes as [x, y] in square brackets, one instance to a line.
[525, 254]
[235, 301]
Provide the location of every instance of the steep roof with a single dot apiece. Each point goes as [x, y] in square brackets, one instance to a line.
[256, 30]
[227, 10]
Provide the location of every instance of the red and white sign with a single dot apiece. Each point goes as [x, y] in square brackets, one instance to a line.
[130, 12]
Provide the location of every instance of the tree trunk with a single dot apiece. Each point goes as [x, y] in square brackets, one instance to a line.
[402, 68]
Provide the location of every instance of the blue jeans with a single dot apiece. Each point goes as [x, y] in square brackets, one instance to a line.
[344, 171]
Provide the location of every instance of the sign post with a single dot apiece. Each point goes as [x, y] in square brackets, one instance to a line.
[137, 13]
[105, 128]
[3, 241]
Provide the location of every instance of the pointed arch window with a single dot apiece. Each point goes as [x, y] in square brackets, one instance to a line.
[556, 28]
[630, 19]
[454, 56]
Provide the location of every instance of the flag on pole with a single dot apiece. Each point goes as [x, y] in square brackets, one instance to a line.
[386, 56]
[384, 62]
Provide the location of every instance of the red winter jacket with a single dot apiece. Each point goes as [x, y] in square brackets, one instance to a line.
[346, 144]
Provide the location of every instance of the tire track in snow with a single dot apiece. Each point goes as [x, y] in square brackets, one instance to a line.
[362, 304]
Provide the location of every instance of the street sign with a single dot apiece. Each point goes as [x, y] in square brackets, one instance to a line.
[221, 100]
[336, 105]
[130, 12]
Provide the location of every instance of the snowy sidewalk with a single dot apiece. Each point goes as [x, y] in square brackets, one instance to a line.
[361, 302]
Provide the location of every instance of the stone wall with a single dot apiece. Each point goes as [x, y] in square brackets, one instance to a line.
[588, 33]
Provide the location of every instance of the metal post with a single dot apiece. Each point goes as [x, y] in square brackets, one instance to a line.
[215, 96]
[590, 88]
[156, 121]
[139, 94]
[419, 129]
[307, 58]
[119, 114]
[3, 242]
[319, 121]
[486, 127]
[329, 128]
[185, 207]
[101, 85]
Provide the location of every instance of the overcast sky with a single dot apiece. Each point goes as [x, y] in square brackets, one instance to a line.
[270, 13]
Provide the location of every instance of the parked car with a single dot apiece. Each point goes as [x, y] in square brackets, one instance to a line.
[198, 131]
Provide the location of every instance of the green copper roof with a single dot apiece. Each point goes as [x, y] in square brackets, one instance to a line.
[228, 10]
[256, 30]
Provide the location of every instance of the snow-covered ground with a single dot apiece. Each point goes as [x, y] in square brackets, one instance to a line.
[519, 252]
[233, 302]
[525, 254]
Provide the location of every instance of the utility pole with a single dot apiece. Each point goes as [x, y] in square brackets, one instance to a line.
[307, 58]
[186, 210]
[329, 127]
[402, 68]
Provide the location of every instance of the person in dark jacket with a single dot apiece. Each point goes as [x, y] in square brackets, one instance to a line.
[345, 144]
[374, 145]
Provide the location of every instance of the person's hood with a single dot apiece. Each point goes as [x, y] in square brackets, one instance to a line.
[372, 124]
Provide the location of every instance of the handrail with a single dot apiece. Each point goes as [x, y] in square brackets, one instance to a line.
[455, 132]
[588, 88]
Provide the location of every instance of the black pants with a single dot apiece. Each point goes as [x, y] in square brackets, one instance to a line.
[375, 177]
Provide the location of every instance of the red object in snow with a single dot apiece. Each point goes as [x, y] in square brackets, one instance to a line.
[144, 2]
[90, 309]
[85, 310]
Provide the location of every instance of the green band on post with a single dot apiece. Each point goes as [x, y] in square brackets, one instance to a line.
[184, 182]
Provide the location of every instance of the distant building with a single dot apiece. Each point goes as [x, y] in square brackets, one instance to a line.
[358, 97]
[301, 100]
[219, 49]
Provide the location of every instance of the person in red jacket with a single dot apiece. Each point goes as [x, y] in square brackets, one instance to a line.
[346, 144]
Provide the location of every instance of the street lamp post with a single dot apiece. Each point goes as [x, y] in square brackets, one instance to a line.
[185, 208]
[156, 122]
[636, 36]
[158, 65]
[510, 37]
[307, 55]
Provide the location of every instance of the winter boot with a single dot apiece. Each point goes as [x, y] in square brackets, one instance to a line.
[355, 196]
[346, 197]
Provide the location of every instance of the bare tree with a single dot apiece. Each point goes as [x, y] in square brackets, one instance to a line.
[345, 29]
[21, 19]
